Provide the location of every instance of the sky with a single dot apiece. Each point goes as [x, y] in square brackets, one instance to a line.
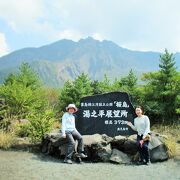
[143, 25]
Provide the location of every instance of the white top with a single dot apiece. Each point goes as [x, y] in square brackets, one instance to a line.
[68, 123]
[141, 125]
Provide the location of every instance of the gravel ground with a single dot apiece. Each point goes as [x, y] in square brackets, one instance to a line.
[20, 165]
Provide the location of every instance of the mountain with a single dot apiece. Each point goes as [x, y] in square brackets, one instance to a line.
[66, 59]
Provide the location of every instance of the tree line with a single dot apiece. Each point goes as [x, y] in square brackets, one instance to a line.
[23, 96]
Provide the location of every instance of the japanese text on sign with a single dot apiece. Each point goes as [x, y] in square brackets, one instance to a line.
[116, 103]
[105, 113]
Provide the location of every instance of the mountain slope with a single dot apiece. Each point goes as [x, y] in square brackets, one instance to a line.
[65, 59]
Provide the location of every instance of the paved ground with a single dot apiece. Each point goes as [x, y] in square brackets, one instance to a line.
[19, 165]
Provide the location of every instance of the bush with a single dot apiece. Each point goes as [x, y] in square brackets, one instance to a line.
[7, 140]
[40, 123]
[5, 124]
[171, 146]
[21, 129]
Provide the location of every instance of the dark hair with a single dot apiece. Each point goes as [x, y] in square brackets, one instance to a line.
[140, 107]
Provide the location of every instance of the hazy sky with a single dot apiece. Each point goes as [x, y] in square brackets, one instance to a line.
[135, 24]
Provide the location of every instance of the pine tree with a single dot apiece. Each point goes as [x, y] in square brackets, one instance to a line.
[22, 93]
[129, 82]
[162, 89]
[72, 92]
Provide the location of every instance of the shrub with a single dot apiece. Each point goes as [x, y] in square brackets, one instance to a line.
[5, 124]
[40, 123]
[171, 146]
[7, 139]
[56, 125]
[21, 129]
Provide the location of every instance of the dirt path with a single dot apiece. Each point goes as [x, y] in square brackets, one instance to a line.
[18, 165]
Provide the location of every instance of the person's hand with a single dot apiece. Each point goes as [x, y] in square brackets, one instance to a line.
[141, 142]
[129, 123]
[147, 137]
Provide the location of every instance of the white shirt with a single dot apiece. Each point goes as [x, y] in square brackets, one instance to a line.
[142, 125]
[68, 123]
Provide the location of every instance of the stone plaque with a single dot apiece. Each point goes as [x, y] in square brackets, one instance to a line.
[105, 114]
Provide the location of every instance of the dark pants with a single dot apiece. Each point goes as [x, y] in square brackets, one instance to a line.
[144, 150]
[71, 137]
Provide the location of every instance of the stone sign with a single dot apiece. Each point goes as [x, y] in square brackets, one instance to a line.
[105, 114]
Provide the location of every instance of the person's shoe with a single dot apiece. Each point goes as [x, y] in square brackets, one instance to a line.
[81, 155]
[68, 161]
[147, 163]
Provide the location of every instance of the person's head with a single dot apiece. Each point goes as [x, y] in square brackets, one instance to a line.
[139, 110]
[71, 108]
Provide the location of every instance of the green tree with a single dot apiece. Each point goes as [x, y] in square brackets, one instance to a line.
[22, 93]
[96, 87]
[128, 84]
[72, 92]
[26, 76]
[116, 86]
[103, 86]
[24, 97]
[161, 90]
[66, 95]
[82, 87]
[52, 95]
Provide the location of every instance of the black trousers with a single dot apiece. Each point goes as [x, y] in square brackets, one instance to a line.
[144, 150]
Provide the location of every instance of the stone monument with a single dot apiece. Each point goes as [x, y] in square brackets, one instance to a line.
[105, 114]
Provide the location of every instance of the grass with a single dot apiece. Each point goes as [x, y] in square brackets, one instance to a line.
[171, 137]
[7, 140]
[56, 125]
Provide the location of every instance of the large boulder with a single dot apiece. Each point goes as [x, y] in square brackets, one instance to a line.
[156, 140]
[158, 150]
[118, 141]
[125, 144]
[119, 157]
[104, 148]
[53, 143]
[98, 147]
[94, 139]
[130, 147]
[159, 153]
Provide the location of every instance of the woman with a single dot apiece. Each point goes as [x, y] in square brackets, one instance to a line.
[142, 126]
[70, 132]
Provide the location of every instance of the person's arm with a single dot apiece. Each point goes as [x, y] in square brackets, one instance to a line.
[147, 129]
[63, 125]
[132, 126]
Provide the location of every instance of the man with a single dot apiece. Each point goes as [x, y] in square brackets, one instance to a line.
[70, 132]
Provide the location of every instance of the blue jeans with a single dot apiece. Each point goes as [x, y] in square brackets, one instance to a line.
[71, 136]
[144, 150]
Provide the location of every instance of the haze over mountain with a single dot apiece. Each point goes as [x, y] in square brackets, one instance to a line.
[66, 59]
